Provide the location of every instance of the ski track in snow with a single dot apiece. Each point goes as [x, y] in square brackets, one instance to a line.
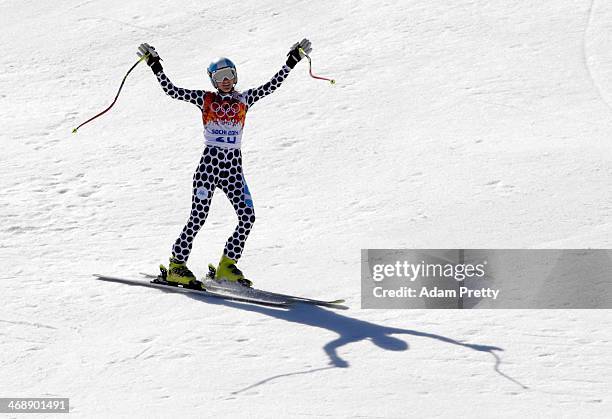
[472, 124]
[586, 57]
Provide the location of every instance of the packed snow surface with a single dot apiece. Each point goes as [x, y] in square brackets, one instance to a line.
[453, 124]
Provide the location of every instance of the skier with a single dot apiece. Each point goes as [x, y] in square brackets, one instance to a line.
[223, 115]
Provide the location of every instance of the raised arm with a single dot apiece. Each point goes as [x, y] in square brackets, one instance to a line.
[293, 57]
[253, 95]
[192, 96]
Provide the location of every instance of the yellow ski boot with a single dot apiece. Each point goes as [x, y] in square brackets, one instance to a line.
[179, 274]
[228, 271]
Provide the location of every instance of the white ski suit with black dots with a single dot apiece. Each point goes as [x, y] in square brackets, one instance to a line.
[223, 115]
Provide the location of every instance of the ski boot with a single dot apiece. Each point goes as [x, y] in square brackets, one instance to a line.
[228, 271]
[179, 274]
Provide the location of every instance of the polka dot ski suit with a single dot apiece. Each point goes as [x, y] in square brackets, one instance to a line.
[223, 116]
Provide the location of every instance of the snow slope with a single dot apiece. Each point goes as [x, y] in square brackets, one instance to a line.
[464, 123]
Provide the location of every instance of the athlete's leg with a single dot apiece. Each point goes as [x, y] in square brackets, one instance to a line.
[204, 180]
[231, 181]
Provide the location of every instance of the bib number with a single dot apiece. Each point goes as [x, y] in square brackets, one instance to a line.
[228, 140]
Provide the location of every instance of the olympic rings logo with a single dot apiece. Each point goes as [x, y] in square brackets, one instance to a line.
[225, 109]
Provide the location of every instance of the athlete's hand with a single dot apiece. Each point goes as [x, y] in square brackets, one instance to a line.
[152, 57]
[297, 52]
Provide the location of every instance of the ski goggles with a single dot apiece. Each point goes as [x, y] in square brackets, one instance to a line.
[224, 73]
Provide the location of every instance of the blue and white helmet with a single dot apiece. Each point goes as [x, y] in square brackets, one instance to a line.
[220, 69]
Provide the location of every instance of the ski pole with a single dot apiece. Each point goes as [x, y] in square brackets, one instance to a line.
[74, 131]
[332, 81]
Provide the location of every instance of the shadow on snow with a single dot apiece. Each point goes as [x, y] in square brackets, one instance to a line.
[349, 330]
